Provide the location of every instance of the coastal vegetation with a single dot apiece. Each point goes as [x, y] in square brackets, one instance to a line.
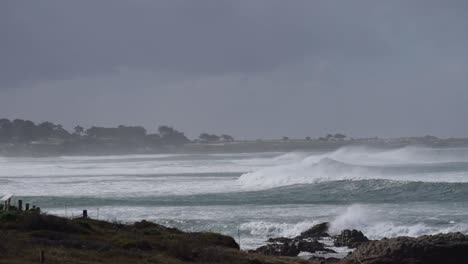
[34, 237]
[24, 235]
[25, 138]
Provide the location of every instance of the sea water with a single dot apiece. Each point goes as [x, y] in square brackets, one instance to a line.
[385, 193]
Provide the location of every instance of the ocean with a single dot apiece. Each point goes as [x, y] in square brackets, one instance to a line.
[409, 191]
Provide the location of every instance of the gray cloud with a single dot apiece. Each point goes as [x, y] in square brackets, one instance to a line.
[250, 68]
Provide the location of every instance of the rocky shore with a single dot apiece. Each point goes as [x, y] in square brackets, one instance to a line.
[353, 247]
[29, 235]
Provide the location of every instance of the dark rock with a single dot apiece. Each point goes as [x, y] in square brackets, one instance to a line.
[291, 247]
[279, 240]
[451, 248]
[312, 246]
[323, 260]
[278, 249]
[316, 231]
[349, 238]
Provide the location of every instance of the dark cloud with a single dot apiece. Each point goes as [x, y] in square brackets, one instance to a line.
[251, 68]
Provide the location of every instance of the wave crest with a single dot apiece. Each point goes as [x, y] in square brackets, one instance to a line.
[407, 164]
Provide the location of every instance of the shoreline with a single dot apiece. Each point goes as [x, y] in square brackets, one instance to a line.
[85, 240]
[44, 149]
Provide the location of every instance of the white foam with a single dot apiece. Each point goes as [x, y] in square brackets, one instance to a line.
[356, 164]
[377, 226]
[129, 175]
[272, 229]
[406, 155]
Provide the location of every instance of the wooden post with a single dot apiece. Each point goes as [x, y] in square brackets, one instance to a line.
[85, 213]
[5, 206]
[42, 257]
[238, 235]
[27, 207]
[20, 205]
[8, 204]
[38, 209]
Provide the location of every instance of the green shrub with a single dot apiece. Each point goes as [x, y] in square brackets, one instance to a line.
[8, 216]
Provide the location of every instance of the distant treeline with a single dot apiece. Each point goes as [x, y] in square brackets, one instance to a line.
[25, 131]
[25, 138]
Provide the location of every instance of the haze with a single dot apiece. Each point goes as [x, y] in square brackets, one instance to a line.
[253, 69]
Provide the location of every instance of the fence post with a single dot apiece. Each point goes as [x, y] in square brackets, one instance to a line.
[27, 207]
[85, 213]
[42, 257]
[238, 235]
[20, 205]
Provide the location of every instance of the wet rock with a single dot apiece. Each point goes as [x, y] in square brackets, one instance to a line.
[448, 248]
[312, 246]
[278, 249]
[291, 247]
[279, 240]
[316, 231]
[349, 238]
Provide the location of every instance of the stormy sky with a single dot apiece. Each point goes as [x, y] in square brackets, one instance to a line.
[253, 69]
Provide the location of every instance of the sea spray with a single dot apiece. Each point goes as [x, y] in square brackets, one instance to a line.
[355, 217]
[383, 192]
[335, 166]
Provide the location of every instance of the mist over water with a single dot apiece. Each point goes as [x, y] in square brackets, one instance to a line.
[263, 194]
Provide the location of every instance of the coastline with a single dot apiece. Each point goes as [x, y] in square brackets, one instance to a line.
[86, 147]
[25, 234]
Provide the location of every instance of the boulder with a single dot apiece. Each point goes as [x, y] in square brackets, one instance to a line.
[349, 238]
[316, 231]
[321, 260]
[448, 248]
[290, 247]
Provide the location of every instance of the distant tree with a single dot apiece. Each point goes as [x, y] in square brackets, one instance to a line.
[308, 138]
[103, 133]
[130, 132]
[79, 131]
[23, 130]
[429, 137]
[123, 133]
[60, 132]
[285, 138]
[227, 138]
[153, 139]
[339, 136]
[6, 130]
[44, 130]
[208, 138]
[170, 136]
[165, 131]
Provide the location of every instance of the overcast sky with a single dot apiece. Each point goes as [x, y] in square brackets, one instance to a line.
[253, 69]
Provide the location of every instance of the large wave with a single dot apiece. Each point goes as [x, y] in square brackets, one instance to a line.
[374, 225]
[407, 164]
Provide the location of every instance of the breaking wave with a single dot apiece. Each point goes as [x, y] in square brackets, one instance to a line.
[407, 165]
[373, 224]
[376, 227]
